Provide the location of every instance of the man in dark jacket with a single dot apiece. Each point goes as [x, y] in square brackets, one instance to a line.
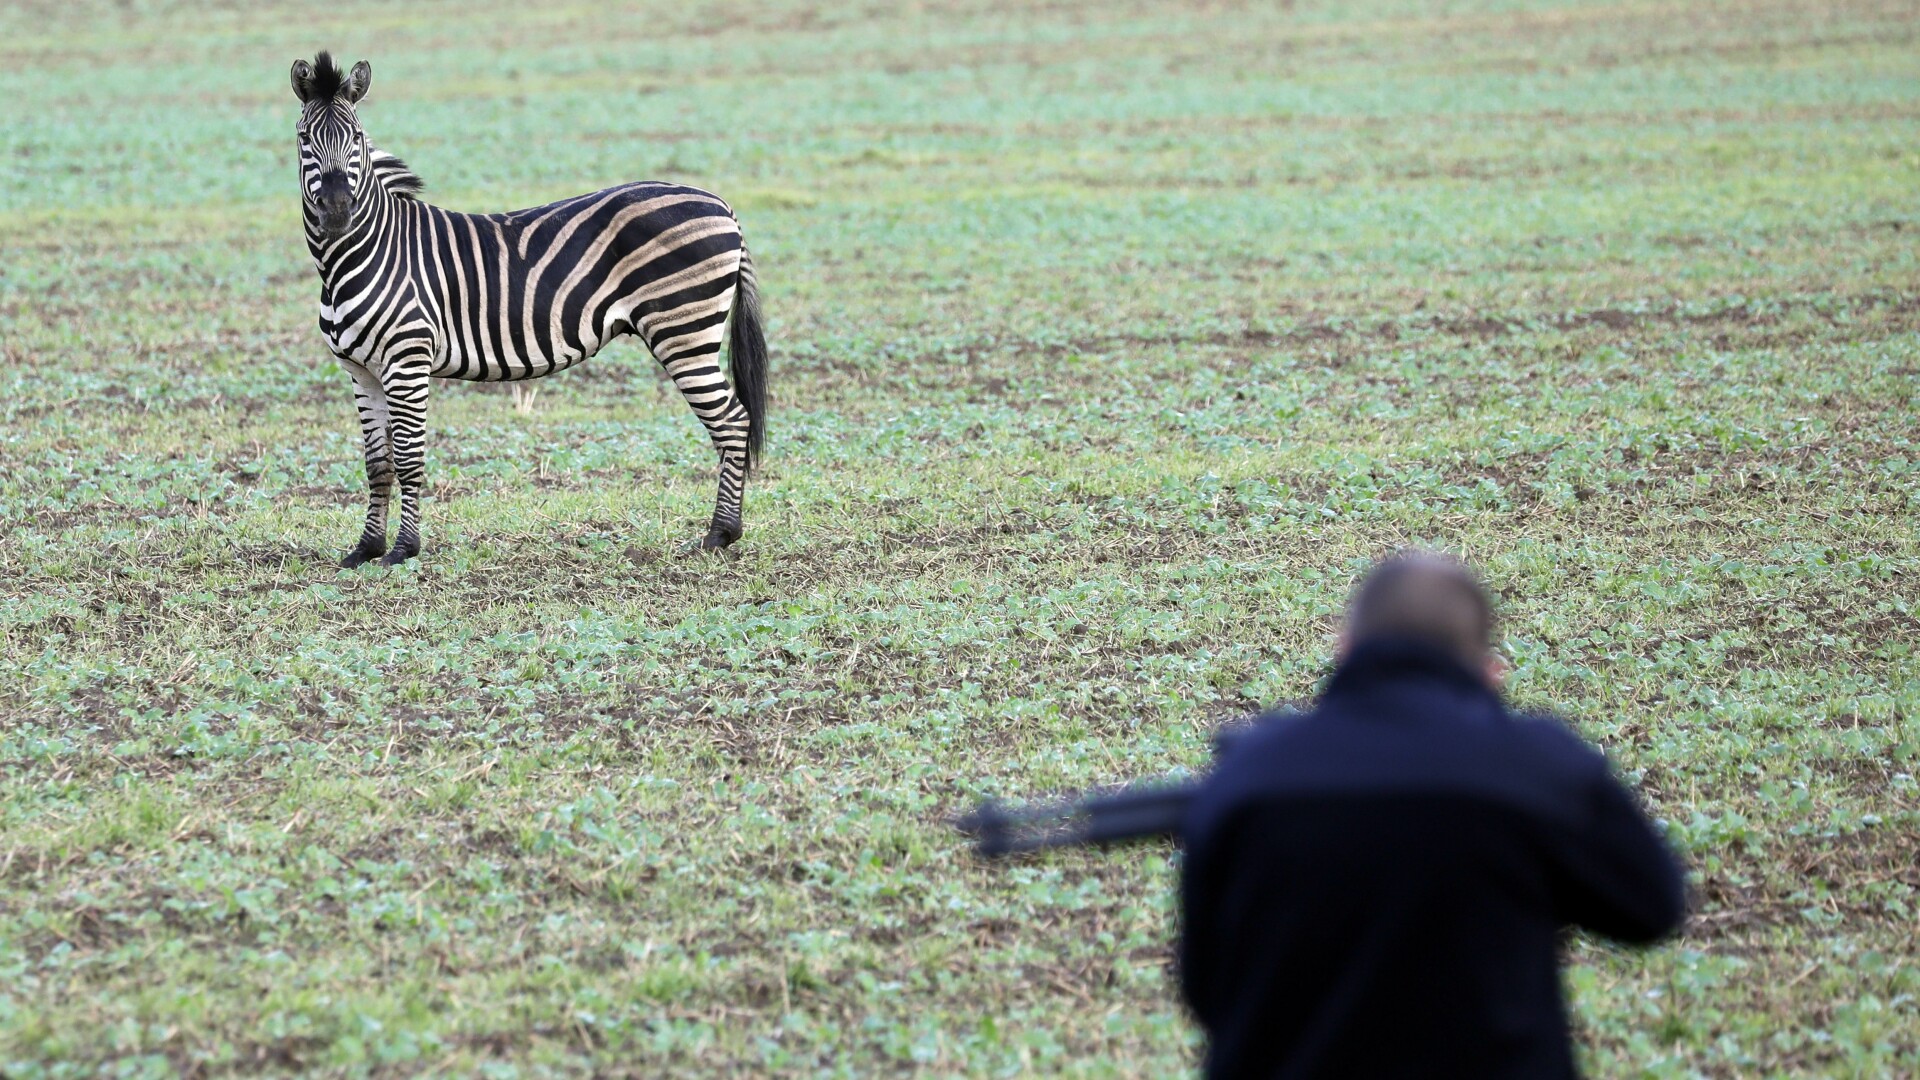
[1375, 888]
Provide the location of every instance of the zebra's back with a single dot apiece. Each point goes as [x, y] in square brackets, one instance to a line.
[523, 294]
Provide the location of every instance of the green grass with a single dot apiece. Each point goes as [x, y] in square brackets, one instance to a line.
[1108, 346]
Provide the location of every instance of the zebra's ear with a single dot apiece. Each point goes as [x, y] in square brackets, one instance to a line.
[302, 80]
[357, 82]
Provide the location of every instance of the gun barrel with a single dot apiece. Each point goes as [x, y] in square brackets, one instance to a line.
[1135, 812]
[1131, 814]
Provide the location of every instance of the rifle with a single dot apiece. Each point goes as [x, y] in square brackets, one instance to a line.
[1135, 812]
[1132, 813]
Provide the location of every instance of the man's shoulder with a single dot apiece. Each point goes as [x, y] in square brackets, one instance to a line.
[1320, 729]
[1532, 760]
[1304, 730]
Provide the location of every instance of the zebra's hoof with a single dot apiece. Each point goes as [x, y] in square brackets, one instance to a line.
[400, 553]
[361, 556]
[714, 543]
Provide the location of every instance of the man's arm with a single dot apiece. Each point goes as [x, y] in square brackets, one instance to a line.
[1191, 952]
[1618, 876]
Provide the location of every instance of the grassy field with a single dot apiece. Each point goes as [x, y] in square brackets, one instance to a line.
[1109, 343]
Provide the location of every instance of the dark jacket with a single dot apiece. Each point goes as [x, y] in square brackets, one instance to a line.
[1375, 888]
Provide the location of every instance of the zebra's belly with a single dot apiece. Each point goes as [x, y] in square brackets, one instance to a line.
[458, 359]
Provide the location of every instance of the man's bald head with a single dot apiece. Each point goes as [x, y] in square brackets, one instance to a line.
[1427, 597]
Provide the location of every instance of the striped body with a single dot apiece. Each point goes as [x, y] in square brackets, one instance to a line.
[412, 292]
[526, 294]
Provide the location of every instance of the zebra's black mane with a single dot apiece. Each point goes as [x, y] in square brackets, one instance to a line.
[327, 78]
[396, 177]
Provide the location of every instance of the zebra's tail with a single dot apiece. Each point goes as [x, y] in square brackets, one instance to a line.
[747, 356]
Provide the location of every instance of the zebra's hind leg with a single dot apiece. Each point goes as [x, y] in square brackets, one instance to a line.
[406, 382]
[725, 527]
[370, 399]
[697, 375]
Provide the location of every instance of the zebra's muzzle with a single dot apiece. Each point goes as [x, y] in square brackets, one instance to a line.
[334, 203]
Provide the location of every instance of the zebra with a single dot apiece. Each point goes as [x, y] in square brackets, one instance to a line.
[410, 292]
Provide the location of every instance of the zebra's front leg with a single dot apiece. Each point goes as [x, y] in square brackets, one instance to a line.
[406, 382]
[370, 399]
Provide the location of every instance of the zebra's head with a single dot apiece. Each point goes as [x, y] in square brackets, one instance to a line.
[334, 157]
